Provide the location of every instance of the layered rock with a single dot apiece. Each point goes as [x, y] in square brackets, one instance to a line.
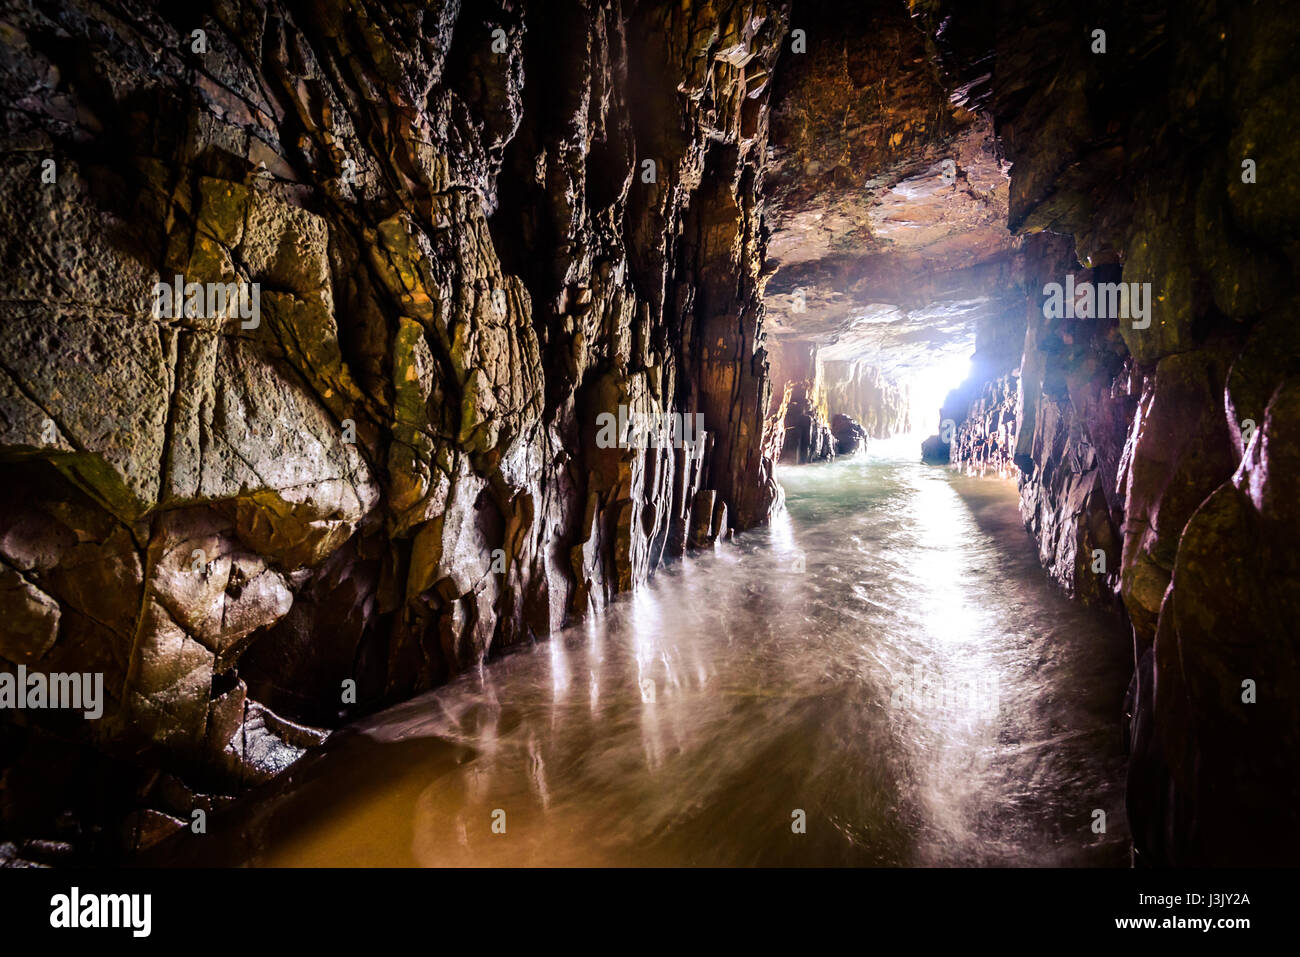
[983, 441]
[474, 230]
[979, 419]
[1072, 408]
[799, 416]
[806, 433]
[862, 392]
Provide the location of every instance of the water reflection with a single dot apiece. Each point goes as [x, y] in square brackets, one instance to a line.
[887, 659]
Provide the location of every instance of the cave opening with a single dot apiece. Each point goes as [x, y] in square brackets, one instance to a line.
[928, 388]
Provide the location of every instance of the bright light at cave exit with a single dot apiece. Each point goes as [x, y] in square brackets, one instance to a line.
[929, 387]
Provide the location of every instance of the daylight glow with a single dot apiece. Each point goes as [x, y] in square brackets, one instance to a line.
[929, 387]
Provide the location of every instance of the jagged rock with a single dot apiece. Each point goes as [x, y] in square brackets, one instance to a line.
[815, 391]
[394, 472]
[850, 438]
[1070, 413]
[982, 442]
[807, 434]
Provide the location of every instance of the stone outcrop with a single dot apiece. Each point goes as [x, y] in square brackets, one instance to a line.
[474, 229]
[806, 434]
[1072, 407]
[979, 419]
[798, 416]
[982, 443]
[850, 437]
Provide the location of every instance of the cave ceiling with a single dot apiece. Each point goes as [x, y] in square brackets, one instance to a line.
[886, 201]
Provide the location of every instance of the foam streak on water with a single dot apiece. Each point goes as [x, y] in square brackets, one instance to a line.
[888, 658]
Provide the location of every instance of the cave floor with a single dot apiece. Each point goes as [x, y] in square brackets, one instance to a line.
[883, 677]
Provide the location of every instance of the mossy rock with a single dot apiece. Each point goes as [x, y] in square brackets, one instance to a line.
[1269, 134]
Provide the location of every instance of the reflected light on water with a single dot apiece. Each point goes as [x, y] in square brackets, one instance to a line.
[860, 684]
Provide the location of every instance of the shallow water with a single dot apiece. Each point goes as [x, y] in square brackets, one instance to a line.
[888, 664]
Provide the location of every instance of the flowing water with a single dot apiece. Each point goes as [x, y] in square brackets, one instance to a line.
[883, 677]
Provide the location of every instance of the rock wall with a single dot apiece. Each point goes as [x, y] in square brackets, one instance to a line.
[475, 228]
[860, 391]
[1073, 406]
[1158, 460]
[982, 442]
[818, 393]
[799, 412]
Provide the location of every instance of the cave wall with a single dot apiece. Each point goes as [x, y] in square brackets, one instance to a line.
[475, 227]
[829, 407]
[978, 421]
[799, 414]
[859, 390]
[1167, 452]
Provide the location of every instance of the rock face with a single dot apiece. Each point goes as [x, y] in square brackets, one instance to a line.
[982, 443]
[818, 392]
[806, 433]
[850, 438]
[862, 392]
[1151, 448]
[473, 230]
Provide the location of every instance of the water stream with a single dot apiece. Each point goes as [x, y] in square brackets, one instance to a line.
[883, 677]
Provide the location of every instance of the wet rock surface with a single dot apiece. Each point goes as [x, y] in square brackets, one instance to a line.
[807, 436]
[1143, 442]
[474, 229]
